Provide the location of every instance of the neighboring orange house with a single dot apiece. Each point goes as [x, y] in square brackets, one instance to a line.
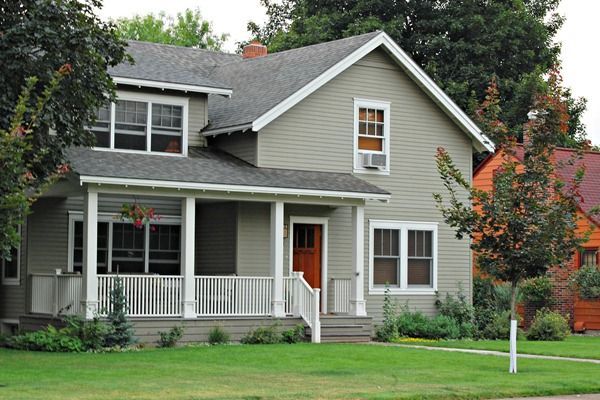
[585, 315]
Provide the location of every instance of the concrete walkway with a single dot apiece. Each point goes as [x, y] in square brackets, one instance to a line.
[490, 353]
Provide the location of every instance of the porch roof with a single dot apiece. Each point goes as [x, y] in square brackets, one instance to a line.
[213, 167]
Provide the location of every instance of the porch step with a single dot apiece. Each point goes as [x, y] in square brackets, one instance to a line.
[342, 328]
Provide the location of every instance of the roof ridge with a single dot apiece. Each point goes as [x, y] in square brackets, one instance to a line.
[198, 49]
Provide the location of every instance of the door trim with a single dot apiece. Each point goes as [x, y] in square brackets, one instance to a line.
[324, 222]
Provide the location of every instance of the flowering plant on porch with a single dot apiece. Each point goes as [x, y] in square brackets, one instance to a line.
[138, 214]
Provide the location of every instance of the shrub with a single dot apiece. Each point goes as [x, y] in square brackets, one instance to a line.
[171, 337]
[548, 325]
[120, 332]
[218, 335]
[48, 339]
[443, 327]
[293, 335]
[497, 325]
[412, 324]
[537, 290]
[389, 329]
[263, 335]
[587, 282]
[457, 308]
[502, 294]
[92, 333]
[484, 293]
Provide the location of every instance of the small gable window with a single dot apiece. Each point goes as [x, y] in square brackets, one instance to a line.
[142, 123]
[371, 136]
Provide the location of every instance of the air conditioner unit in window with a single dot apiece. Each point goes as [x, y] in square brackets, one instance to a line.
[373, 160]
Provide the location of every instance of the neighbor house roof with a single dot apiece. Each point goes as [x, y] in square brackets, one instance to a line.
[207, 168]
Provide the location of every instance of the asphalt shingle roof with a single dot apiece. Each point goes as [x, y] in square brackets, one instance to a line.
[204, 165]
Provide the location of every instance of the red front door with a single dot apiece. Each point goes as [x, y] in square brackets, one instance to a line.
[307, 252]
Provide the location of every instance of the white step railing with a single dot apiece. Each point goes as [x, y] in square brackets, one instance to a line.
[55, 294]
[288, 287]
[306, 304]
[233, 295]
[341, 295]
[147, 295]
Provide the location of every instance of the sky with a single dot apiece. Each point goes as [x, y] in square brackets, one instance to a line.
[579, 36]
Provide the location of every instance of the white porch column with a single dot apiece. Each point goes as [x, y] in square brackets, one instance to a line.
[89, 293]
[357, 296]
[188, 237]
[277, 305]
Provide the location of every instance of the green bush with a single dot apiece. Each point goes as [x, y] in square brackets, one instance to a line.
[388, 331]
[460, 310]
[537, 290]
[587, 282]
[92, 333]
[497, 325]
[412, 324]
[218, 335]
[548, 325]
[48, 339]
[293, 335]
[263, 335]
[171, 337]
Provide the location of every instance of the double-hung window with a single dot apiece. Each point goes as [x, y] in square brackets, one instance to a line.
[588, 258]
[10, 268]
[371, 135]
[149, 123]
[403, 256]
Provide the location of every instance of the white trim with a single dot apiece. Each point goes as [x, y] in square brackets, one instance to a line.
[413, 70]
[149, 99]
[324, 222]
[12, 281]
[171, 86]
[377, 105]
[229, 129]
[100, 180]
[404, 227]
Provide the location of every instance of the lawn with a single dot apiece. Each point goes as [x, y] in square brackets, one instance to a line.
[284, 371]
[573, 346]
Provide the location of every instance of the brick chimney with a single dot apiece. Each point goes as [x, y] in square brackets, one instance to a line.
[254, 49]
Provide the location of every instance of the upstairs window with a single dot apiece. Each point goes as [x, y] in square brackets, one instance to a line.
[371, 136]
[588, 258]
[143, 124]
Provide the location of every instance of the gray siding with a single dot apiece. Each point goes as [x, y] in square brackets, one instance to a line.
[253, 239]
[216, 238]
[12, 297]
[197, 120]
[317, 134]
[241, 145]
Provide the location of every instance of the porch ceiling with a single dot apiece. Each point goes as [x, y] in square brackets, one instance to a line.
[210, 169]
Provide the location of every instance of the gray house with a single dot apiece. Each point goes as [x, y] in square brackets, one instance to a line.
[292, 186]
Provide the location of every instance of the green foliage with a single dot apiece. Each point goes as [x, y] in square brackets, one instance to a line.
[537, 290]
[457, 308]
[186, 29]
[263, 335]
[218, 335]
[91, 333]
[293, 335]
[503, 294]
[417, 325]
[587, 282]
[548, 325]
[38, 37]
[121, 331]
[48, 339]
[171, 337]
[461, 44]
[491, 304]
[388, 330]
[496, 326]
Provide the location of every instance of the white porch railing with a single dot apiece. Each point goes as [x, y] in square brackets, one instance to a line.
[55, 294]
[233, 295]
[341, 294]
[147, 295]
[306, 303]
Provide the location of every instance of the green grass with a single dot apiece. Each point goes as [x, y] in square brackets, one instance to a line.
[285, 371]
[573, 346]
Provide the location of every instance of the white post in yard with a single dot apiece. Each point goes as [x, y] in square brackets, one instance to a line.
[277, 302]
[513, 347]
[188, 234]
[357, 297]
[89, 292]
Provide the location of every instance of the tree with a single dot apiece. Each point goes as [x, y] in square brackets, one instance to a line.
[460, 44]
[187, 29]
[37, 37]
[526, 223]
[120, 331]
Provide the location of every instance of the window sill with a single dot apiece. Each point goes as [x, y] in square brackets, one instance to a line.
[371, 171]
[392, 291]
[11, 282]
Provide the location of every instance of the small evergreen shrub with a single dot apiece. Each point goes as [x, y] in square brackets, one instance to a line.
[293, 335]
[263, 335]
[548, 325]
[587, 282]
[170, 337]
[218, 335]
[121, 331]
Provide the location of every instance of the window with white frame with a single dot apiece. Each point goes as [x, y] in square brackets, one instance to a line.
[371, 134]
[11, 268]
[122, 248]
[142, 123]
[403, 256]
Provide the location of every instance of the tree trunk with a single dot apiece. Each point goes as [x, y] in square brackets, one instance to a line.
[513, 328]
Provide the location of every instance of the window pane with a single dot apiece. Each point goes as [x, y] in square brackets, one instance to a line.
[385, 271]
[362, 128]
[379, 115]
[379, 129]
[419, 272]
[101, 128]
[428, 244]
[588, 258]
[395, 242]
[370, 143]
[377, 245]
[411, 243]
[167, 128]
[371, 115]
[362, 114]
[130, 125]
[11, 268]
[166, 143]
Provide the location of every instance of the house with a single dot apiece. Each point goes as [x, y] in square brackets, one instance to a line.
[291, 186]
[584, 314]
